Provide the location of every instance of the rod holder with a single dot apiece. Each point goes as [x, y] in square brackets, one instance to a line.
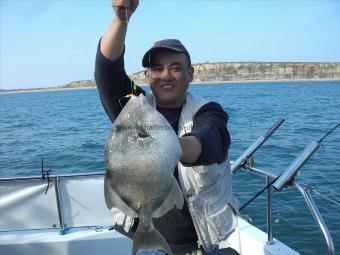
[270, 234]
[63, 229]
[288, 175]
[257, 144]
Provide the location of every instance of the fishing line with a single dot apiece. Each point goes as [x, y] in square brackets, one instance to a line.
[311, 189]
[126, 16]
[149, 58]
[127, 96]
[324, 197]
[329, 132]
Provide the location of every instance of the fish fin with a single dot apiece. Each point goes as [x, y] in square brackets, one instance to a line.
[113, 200]
[149, 239]
[175, 197]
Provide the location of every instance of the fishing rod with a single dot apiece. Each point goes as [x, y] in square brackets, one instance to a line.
[289, 174]
[258, 193]
[286, 177]
[257, 144]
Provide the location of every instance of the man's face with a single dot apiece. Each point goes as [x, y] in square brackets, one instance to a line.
[169, 77]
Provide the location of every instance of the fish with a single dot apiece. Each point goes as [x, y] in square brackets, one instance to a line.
[141, 153]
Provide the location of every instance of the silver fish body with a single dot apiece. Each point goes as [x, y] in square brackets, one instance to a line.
[141, 153]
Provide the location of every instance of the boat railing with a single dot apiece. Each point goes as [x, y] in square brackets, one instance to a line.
[52, 176]
[285, 179]
[60, 202]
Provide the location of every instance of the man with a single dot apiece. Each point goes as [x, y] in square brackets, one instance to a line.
[203, 172]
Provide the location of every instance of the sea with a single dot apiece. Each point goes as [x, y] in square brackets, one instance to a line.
[68, 129]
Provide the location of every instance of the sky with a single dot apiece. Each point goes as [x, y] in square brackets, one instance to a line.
[47, 43]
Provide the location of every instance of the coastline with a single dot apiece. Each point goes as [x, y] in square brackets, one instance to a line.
[61, 88]
[257, 81]
[35, 90]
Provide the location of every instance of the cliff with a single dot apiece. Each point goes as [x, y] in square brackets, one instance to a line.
[267, 71]
[80, 84]
[235, 71]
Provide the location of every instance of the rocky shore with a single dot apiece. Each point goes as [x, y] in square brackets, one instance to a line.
[234, 72]
[259, 71]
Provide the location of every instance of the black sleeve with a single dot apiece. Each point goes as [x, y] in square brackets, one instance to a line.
[113, 84]
[210, 127]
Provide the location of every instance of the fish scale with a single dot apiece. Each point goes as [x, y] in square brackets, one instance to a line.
[141, 153]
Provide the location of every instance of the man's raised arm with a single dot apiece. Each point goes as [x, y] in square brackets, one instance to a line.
[112, 43]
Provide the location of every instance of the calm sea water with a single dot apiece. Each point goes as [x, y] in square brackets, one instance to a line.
[68, 129]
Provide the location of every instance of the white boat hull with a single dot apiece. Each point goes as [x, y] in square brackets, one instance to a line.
[30, 221]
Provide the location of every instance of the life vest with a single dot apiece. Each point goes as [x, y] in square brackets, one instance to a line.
[207, 189]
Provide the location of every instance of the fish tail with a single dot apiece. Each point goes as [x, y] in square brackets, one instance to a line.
[148, 238]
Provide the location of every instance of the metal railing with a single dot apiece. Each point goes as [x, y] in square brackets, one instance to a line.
[285, 179]
[56, 189]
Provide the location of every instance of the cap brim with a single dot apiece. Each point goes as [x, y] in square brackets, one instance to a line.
[148, 55]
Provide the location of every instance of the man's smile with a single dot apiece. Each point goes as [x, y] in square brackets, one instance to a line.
[167, 86]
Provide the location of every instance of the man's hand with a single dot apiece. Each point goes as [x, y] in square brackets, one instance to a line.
[124, 8]
[191, 149]
[112, 43]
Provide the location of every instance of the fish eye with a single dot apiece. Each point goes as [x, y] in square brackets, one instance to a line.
[117, 128]
[141, 132]
[142, 135]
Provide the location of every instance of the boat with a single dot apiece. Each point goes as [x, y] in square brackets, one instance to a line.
[66, 214]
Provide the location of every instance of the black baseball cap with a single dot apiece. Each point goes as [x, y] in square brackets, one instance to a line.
[167, 44]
